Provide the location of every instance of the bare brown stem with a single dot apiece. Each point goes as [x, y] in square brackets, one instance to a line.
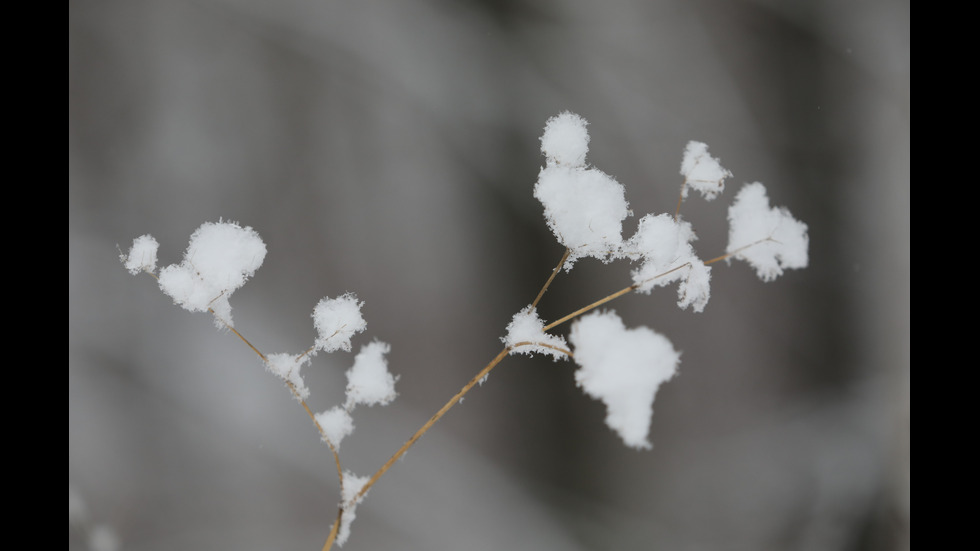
[736, 251]
[309, 412]
[608, 298]
[432, 421]
[543, 345]
[680, 199]
[333, 531]
[551, 278]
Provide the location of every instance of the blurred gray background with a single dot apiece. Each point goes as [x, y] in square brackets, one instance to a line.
[389, 148]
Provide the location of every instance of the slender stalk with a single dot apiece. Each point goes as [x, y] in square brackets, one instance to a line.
[551, 278]
[735, 252]
[309, 412]
[432, 421]
[333, 531]
[608, 298]
[680, 199]
[594, 305]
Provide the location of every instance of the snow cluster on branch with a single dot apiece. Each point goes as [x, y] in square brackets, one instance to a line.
[585, 209]
[623, 368]
[769, 239]
[220, 258]
[525, 335]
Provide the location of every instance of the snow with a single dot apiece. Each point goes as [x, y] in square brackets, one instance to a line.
[565, 140]
[769, 239]
[623, 368]
[584, 207]
[336, 321]
[368, 380]
[337, 424]
[702, 172]
[349, 503]
[527, 328]
[220, 258]
[142, 255]
[664, 244]
[286, 367]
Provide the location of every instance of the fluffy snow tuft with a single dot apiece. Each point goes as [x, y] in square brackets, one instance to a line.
[337, 424]
[769, 239]
[526, 327]
[623, 368]
[286, 367]
[368, 380]
[220, 258]
[664, 244]
[702, 172]
[584, 207]
[336, 321]
[352, 486]
[565, 140]
[142, 255]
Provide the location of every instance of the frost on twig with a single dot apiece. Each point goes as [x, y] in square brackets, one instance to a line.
[623, 368]
[769, 239]
[525, 335]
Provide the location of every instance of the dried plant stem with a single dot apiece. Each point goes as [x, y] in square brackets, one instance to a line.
[554, 272]
[459, 395]
[333, 530]
[680, 199]
[726, 256]
[319, 428]
[469, 386]
[609, 298]
[432, 420]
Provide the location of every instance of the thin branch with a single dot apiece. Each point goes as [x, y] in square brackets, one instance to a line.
[680, 199]
[736, 251]
[611, 297]
[542, 345]
[551, 278]
[432, 420]
[309, 412]
[333, 531]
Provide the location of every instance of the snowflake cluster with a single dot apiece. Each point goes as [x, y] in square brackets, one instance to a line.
[585, 209]
[221, 256]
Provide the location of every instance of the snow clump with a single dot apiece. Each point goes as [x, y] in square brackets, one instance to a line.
[525, 335]
[769, 239]
[220, 258]
[584, 207]
[702, 172]
[623, 368]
